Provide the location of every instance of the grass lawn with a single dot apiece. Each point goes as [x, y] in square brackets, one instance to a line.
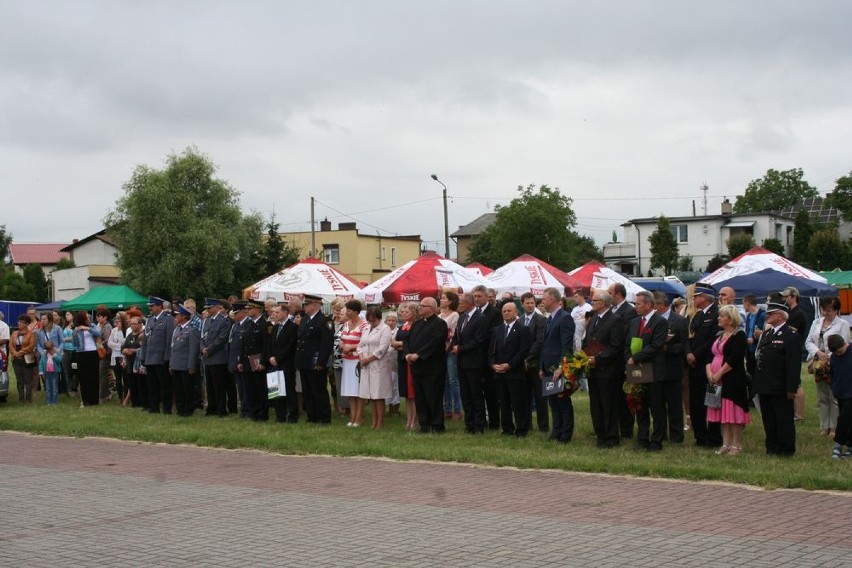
[811, 468]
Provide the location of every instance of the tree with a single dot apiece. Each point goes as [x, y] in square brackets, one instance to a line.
[686, 263]
[34, 276]
[581, 249]
[276, 253]
[802, 232]
[717, 262]
[5, 241]
[537, 222]
[65, 263]
[775, 190]
[739, 243]
[13, 287]
[825, 250]
[664, 249]
[774, 245]
[180, 230]
[841, 196]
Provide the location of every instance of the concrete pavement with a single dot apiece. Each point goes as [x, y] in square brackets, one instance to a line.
[92, 502]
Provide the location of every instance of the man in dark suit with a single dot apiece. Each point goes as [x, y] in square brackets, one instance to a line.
[510, 345]
[670, 390]
[650, 330]
[159, 328]
[622, 309]
[214, 353]
[469, 347]
[776, 379]
[235, 354]
[426, 352]
[280, 353]
[535, 322]
[254, 369]
[703, 326]
[481, 296]
[558, 343]
[313, 348]
[604, 343]
[183, 361]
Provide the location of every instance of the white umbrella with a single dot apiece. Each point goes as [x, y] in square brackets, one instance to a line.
[309, 276]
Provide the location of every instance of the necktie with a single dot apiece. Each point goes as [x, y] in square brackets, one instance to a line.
[527, 320]
[508, 329]
[641, 325]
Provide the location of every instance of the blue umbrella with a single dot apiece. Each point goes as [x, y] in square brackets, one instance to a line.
[765, 281]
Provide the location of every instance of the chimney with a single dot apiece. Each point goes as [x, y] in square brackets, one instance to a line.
[346, 226]
[727, 208]
[325, 225]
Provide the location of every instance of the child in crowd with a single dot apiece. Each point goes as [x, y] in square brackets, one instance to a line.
[840, 374]
[50, 365]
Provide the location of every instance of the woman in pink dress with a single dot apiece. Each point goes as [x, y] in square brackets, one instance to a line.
[350, 337]
[728, 369]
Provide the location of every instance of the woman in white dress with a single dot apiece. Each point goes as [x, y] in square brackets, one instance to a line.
[350, 337]
[376, 358]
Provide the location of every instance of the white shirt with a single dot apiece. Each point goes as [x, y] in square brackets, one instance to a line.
[579, 312]
[4, 331]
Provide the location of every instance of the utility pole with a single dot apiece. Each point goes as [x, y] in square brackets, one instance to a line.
[704, 189]
[313, 232]
[446, 220]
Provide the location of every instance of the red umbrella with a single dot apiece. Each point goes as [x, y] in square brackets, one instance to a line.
[480, 268]
[530, 274]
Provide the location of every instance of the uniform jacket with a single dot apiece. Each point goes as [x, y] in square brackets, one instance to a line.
[779, 362]
[315, 341]
[158, 339]
[675, 346]
[185, 347]
[235, 344]
[512, 349]
[702, 329]
[214, 338]
[254, 334]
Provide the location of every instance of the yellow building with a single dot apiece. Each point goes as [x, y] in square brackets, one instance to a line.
[363, 257]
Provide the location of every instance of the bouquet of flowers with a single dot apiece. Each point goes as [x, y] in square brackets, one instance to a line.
[635, 393]
[573, 369]
[821, 372]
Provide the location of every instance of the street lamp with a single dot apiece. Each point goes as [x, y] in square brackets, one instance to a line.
[446, 220]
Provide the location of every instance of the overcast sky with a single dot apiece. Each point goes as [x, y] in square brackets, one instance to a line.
[627, 107]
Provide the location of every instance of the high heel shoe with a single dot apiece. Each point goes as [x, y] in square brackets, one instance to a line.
[723, 450]
[735, 450]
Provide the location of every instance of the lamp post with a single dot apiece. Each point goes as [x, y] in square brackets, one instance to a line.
[446, 220]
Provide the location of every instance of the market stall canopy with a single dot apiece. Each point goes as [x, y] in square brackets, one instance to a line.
[529, 274]
[756, 260]
[117, 297]
[596, 274]
[423, 277]
[839, 278]
[308, 276]
[763, 282]
[479, 268]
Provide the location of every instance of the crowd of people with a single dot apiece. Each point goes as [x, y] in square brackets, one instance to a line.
[654, 371]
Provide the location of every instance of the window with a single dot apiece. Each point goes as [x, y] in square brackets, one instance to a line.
[384, 253]
[393, 256]
[681, 233]
[331, 254]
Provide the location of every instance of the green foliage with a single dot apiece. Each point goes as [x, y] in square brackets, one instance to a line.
[581, 249]
[276, 253]
[664, 249]
[5, 241]
[717, 262]
[686, 263]
[739, 243]
[180, 230]
[774, 245]
[13, 287]
[34, 275]
[65, 263]
[826, 251]
[538, 222]
[841, 196]
[802, 232]
[775, 190]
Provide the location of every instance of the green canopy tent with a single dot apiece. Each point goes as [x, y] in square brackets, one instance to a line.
[839, 278]
[113, 297]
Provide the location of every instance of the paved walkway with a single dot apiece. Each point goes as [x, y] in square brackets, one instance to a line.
[88, 502]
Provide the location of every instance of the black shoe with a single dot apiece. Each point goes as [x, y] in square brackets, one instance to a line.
[654, 447]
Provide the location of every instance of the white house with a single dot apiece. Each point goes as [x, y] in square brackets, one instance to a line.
[95, 258]
[702, 237]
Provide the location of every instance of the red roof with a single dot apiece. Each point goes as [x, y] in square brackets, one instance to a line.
[37, 253]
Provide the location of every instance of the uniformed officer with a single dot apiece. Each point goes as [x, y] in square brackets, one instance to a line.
[235, 353]
[254, 368]
[221, 389]
[777, 377]
[313, 350]
[158, 336]
[183, 362]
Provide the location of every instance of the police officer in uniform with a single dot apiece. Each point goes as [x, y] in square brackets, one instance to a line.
[221, 389]
[235, 353]
[183, 361]
[313, 350]
[254, 367]
[158, 337]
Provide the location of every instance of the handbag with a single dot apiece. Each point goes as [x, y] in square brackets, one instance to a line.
[713, 396]
[640, 373]
[275, 385]
[102, 352]
[551, 386]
